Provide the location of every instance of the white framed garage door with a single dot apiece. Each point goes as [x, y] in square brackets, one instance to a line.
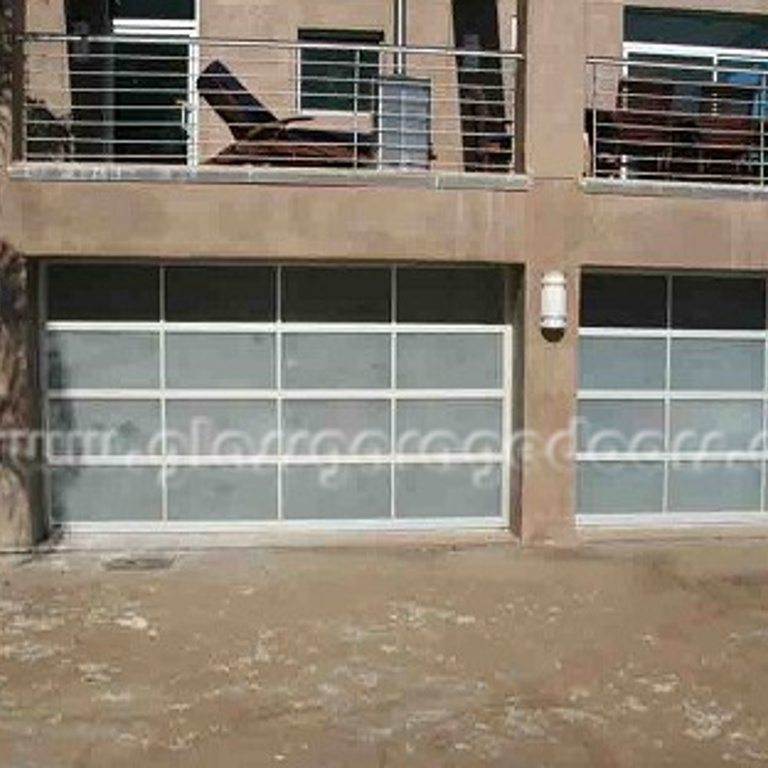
[673, 399]
[183, 397]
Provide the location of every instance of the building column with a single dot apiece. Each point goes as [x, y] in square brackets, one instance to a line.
[555, 47]
[21, 510]
[547, 444]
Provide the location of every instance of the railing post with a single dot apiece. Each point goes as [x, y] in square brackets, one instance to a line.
[761, 118]
[593, 66]
[17, 81]
[356, 107]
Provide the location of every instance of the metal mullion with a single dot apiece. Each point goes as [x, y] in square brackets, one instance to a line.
[673, 519]
[333, 459]
[744, 335]
[621, 458]
[393, 399]
[220, 394]
[450, 328]
[715, 396]
[279, 392]
[665, 455]
[337, 328]
[220, 328]
[507, 416]
[116, 460]
[623, 333]
[587, 395]
[163, 405]
[95, 326]
[209, 460]
[43, 374]
[763, 464]
[667, 397]
[105, 394]
[361, 394]
[443, 459]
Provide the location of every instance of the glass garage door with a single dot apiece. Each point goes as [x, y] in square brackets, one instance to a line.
[673, 400]
[190, 396]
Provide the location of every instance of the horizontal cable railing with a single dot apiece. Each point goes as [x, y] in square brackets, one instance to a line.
[182, 100]
[677, 120]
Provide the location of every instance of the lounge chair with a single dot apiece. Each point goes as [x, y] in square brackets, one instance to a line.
[264, 139]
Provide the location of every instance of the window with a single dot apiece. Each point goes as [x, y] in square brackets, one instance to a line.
[339, 79]
[673, 396]
[154, 105]
[692, 48]
[207, 393]
[154, 9]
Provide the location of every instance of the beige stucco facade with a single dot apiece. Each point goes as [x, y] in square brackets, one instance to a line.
[551, 220]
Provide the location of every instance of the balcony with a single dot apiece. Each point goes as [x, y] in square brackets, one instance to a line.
[679, 119]
[158, 106]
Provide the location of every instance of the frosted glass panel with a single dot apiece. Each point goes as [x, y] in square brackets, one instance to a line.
[448, 492]
[105, 494]
[713, 487]
[212, 428]
[621, 426]
[336, 361]
[699, 425]
[336, 427]
[707, 364]
[103, 360]
[220, 361]
[449, 427]
[337, 493]
[623, 363]
[105, 427]
[222, 493]
[455, 361]
[620, 488]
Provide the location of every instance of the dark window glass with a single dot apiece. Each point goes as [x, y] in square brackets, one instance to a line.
[457, 295]
[707, 28]
[220, 294]
[713, 303]
[153, 9]
[150, 88]
[623, 301]
[342, 79]
[330, 295]
[122, 292]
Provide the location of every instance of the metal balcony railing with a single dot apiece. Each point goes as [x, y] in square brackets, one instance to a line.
[678, 120]
[176, 100]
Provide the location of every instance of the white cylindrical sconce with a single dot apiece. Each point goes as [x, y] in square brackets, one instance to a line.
[554, 302]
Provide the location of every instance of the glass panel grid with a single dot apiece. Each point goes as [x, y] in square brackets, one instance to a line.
[705, 370]
[171, 393]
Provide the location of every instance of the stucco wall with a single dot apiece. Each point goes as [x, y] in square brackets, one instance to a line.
[555, 224]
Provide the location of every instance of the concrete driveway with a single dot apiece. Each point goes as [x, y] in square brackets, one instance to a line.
[609, 655]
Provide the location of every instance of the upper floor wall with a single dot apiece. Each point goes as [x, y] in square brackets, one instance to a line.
[382, 82]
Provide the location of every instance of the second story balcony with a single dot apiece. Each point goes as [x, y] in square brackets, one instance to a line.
[678, 112]
[151, 104]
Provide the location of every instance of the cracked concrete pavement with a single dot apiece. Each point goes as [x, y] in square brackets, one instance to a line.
[607, 655]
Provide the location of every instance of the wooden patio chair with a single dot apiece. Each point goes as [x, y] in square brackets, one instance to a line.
[726, 132]
[261, 138]
[643, 127]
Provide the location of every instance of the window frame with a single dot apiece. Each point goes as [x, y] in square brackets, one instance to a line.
[498, 459]
[669, 394]
[330, 37]
[181, 32]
